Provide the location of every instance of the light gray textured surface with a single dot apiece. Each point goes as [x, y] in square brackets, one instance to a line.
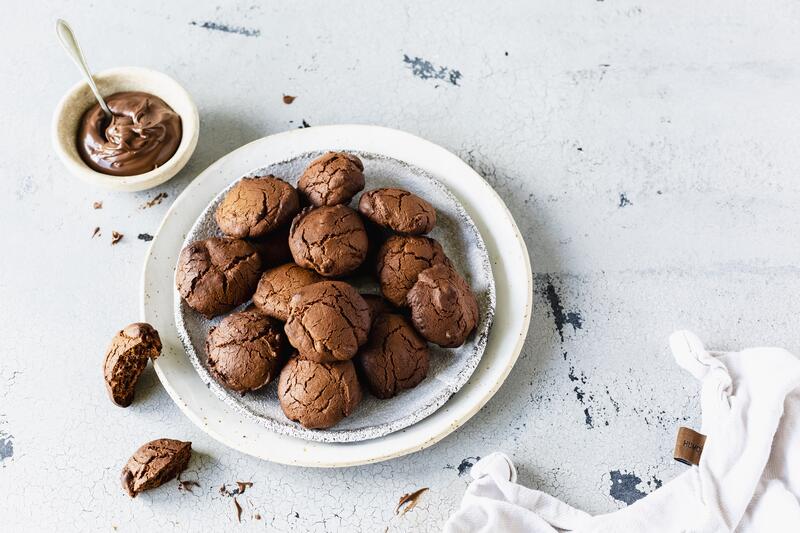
[647, 152]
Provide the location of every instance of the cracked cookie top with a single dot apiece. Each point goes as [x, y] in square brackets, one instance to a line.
[155, 463]
[398, 210]
[332, 179]
[278, 285]
[395, 357]
[443, 308]
[329, 239]
[318, 395]
[246, 350]
[215, 275]
[255, 206]
[401, 259]
[328, 321]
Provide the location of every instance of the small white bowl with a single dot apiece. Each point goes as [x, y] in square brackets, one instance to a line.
[80, 98]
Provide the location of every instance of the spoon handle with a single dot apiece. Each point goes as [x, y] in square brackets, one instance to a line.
[70, 44]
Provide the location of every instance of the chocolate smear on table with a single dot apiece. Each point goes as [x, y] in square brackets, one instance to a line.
[154, 201]
[409, 500]
[116, 237]
[287, 99]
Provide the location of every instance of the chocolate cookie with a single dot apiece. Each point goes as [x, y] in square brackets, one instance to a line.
[246, 350]
[154, 464]
[394, 359]
[443, 308]
[328, 321]
[255, 206]
[332, 179]
[215, 275]
[377, 306]
[126, 359]
[278, 285]
[401, 259]
[318, 395]
[273, 248]
[398, 210]
[330, 239]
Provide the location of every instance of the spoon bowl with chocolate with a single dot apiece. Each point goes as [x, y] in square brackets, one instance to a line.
[149, 138]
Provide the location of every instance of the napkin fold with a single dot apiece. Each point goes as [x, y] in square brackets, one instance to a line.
[748, 478]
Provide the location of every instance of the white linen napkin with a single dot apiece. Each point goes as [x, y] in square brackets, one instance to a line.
[748, 479]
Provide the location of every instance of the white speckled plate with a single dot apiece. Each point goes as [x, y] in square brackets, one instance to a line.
[449, 368]
[505, 247]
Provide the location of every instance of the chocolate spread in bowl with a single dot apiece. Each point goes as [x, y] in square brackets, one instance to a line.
[143, 134]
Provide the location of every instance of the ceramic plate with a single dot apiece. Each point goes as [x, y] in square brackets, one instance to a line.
[233, 427]
[449, 368]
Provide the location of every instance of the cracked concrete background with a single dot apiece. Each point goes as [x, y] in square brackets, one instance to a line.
[647, 152]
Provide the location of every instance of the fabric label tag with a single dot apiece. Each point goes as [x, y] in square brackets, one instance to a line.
[689, 446]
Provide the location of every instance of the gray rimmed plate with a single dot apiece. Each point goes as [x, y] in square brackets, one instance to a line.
[450, 368]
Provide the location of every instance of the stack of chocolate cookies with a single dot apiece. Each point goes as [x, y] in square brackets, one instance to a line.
[291, 251]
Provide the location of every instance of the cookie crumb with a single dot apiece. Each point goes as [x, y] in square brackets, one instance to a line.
[97, 205]
[244, 485]
[116, 237]
[96, 232]
[187, 485]
[409, 500]
[257, 516]
[287, 99]
[238, 509]
[154, 201]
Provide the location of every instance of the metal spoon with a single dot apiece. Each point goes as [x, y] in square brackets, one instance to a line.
[70, 44]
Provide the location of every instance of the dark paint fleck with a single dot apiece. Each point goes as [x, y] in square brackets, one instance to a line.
[466, 464]
[573, 377]
[614, 402]
[573, 318]
[304, 124]
[425, 70]
[6, 446]
[579, 393]
[623, 487]
[216, 26]
[623, 200]
[588, 418]
[146, 237]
